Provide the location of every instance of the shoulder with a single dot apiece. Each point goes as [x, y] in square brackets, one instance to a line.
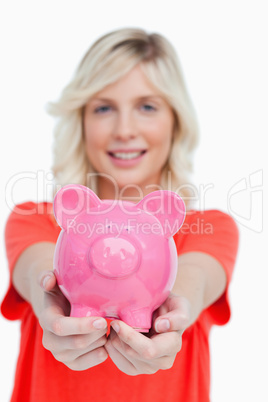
[30, 214]
[208, 231]
[33, 208]
[209, 215]
[208, 221]
[27, 224]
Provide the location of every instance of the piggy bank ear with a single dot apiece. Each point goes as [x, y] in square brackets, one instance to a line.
[71, 200]
[167, 207]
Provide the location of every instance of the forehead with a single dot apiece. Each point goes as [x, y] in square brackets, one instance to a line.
[133, 84]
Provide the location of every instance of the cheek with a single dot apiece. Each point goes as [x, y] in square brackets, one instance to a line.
[94, 136]
[161, 134]
[94, 143]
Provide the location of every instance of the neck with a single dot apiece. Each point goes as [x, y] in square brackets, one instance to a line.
[107, 190]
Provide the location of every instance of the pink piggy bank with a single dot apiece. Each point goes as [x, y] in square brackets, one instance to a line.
[116, 259]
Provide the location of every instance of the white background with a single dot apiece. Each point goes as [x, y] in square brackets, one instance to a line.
[223, 49]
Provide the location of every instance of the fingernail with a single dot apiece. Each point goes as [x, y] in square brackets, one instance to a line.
[162, 325]
[100, 323]
[45, 280]
[115, 327]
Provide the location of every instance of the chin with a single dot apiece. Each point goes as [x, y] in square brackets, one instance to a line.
[137, 188]
[129, 182]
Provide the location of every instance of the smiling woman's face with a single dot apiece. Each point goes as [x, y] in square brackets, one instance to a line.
[128, 130]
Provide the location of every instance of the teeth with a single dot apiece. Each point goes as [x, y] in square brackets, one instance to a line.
[127, 155]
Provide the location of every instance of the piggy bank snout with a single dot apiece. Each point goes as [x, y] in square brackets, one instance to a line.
[114, 257]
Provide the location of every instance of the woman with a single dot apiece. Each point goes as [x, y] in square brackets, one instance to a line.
[126, 127]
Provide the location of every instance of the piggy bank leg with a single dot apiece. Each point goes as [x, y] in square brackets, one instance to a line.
[141, 319]
[78, 310]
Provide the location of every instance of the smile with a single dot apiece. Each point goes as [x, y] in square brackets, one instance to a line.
[127, 155]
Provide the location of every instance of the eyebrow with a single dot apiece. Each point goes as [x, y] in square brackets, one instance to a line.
[145, 97]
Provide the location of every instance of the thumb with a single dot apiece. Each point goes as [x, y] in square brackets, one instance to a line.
[178, 316]
[47, 280]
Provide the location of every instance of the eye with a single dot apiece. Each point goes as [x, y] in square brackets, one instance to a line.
[148, 108]
[102, 109]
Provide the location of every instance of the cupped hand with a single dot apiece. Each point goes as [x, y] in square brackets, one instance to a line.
[76, 342]
[135, 353]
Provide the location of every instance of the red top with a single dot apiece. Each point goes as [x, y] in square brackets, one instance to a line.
[39, 377]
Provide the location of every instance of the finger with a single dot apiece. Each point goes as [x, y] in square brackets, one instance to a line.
[136, 347]
[165, 308]
[85, 343]
[88, 360]
[123, 348]
[69, 355]
[60, 325]
[138, 366]
[47, 280]
[166, 344]
[177, 318]
[160, 345]
[79, 344]
[138, 342]
[121, 361]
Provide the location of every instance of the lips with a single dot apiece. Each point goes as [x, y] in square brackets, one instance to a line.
[126, 158]
[127, 154]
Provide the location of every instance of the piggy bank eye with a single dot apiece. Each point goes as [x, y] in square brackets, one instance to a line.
[127, 230]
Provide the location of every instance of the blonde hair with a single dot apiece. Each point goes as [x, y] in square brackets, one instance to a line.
[107, 60]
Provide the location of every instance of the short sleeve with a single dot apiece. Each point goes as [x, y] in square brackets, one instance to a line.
[216, 234]
[28, 223]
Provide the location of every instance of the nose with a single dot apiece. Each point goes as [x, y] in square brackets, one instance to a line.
[114, 257]
[125, 125]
